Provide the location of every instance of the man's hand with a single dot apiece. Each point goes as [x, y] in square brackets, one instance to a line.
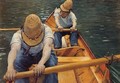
[39, 69]
[10, 74]
[60, 28]
[72, 29]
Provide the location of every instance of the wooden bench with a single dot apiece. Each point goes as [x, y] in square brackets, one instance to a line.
[69, 51]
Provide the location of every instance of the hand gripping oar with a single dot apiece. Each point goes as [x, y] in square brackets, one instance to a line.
[70, 66]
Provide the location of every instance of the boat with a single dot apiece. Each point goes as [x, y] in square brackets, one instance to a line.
[82, 52]
[75, 64]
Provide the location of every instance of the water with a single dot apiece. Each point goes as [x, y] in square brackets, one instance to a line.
[98, 22]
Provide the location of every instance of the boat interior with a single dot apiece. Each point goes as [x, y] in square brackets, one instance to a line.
[68, 54]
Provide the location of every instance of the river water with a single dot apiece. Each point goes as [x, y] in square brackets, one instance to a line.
[98, 21]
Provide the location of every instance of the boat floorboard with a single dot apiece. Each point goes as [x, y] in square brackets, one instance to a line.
[77, 76]
[67, 77]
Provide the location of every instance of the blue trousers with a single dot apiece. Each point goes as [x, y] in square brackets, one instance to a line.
[58, 38]
[23, 62]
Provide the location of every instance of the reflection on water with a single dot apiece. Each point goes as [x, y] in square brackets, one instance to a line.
[98, 22]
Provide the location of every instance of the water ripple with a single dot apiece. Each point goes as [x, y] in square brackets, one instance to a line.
[2, 48]
[106, 40]
[0, 58]
[1, 54]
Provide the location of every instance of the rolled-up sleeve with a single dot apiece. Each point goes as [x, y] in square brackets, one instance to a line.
[16, 38]
[73, 16]
[56, 12]
[48, 34]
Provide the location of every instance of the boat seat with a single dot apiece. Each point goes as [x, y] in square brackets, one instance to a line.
[67, 48]
[70, 51]
[72, 59]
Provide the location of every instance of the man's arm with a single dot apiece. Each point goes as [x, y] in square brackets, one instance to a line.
[74, 23]
[74, 20]
[60, 28]
[10, 74]
[45, 56]
[46, 50]
[12, 54]
[57, 17]
[57, 22]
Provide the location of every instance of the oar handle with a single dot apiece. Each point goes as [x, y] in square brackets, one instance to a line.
[63, 30]
[9, 29]
[69, 66]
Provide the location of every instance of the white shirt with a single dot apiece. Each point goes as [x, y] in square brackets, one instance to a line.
[65, 22]
[17, 38]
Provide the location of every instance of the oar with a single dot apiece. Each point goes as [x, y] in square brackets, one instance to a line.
[63, 30]
[54, 29]
[9, 29]
[70, 66]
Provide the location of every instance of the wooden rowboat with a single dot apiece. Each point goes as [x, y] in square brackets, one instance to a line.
[76, 64]
[93, 74]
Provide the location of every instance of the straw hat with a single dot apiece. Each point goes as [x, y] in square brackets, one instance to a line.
[33, 31]
[66, 6]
